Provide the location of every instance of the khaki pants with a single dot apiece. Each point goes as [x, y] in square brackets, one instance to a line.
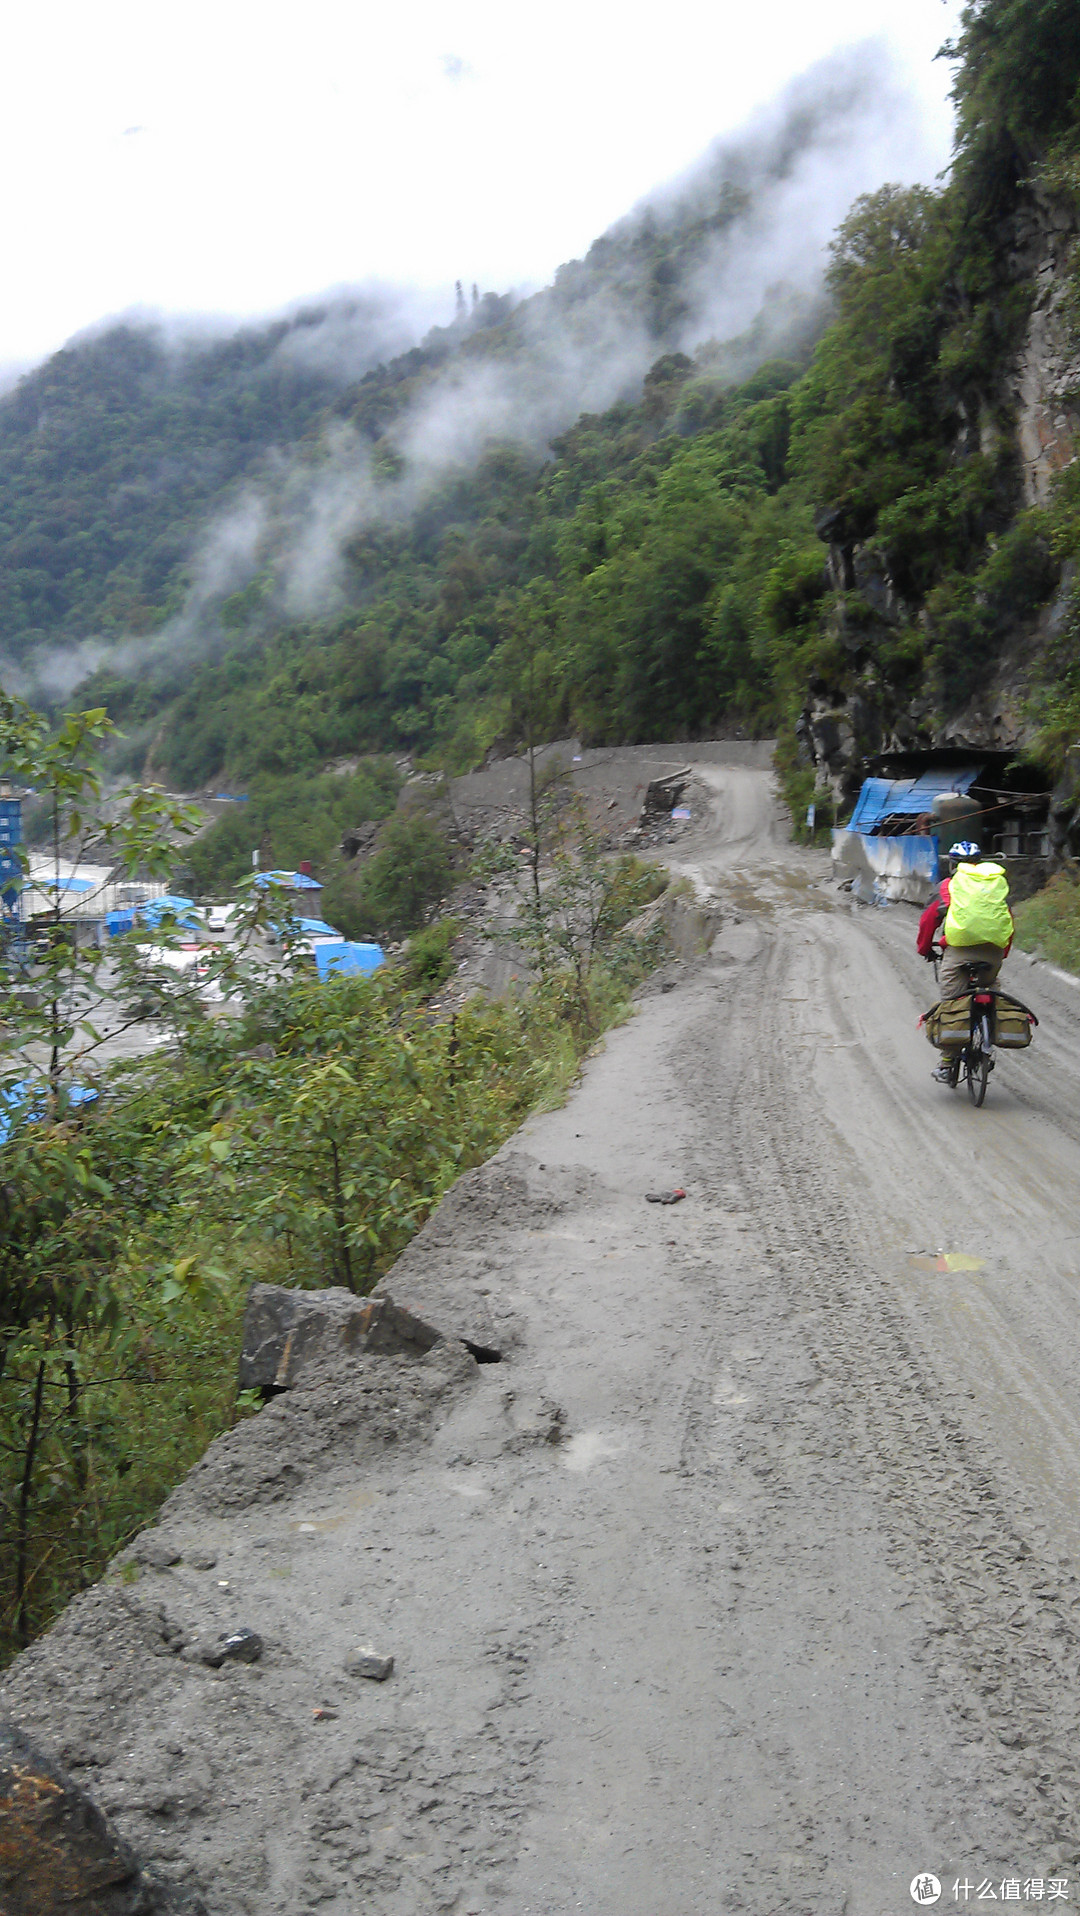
[953, 981]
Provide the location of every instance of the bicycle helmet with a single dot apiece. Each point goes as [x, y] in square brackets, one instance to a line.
[964, 848]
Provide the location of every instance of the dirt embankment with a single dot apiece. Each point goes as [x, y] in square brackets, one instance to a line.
[746, 1579]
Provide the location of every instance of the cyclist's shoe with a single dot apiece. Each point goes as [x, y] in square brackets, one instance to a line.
[946, 1073]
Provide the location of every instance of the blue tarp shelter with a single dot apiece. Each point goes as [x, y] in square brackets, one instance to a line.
[881, 869]
[117, 922]
[317, 928]
[886, 797]
[289, 881]
[182, 909]
[330, 960]
[27, 1099]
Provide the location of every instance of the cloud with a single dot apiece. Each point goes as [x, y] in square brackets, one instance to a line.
[225, 560]
[838, 132]
[351, 330]
[741, 239]
[228, 556]
[341, 333]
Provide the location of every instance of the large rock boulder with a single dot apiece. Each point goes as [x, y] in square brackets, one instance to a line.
[59, 1856]
[663, 794]
[285, 1331]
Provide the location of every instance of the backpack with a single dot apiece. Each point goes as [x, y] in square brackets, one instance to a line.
[978, 911]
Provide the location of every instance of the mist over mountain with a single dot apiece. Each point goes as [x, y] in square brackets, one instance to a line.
[147, 473]
[116, 456]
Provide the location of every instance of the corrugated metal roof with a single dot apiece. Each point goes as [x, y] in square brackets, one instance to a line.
[880, 797]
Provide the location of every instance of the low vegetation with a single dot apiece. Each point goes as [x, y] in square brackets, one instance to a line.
[399, 887]
[1049, 923]
[301, 1139]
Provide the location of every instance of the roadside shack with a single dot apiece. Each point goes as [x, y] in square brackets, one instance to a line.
[914, 805]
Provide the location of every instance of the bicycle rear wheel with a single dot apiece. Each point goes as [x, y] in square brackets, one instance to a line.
[977, 1064]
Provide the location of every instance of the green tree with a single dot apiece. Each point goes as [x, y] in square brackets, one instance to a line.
[60, 1309]
[573, 899]
[1017, 74]
[136, 833]
[399, 887]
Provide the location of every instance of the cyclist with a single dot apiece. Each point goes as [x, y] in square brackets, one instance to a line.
[972, 907]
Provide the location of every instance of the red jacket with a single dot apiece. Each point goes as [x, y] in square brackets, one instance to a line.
[932, 918]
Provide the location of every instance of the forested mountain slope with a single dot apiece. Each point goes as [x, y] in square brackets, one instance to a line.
[662, 497]
[116, 450]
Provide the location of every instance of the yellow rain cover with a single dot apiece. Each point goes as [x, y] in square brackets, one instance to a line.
[978, 911]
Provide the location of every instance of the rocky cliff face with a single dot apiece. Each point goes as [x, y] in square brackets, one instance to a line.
[1046, 376]
[880, 700]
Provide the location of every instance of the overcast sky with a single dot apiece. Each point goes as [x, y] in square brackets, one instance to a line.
[228, 157]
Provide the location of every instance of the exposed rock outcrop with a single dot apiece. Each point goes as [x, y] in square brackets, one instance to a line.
[1046, 378]
[286, 1330]
[875, 702]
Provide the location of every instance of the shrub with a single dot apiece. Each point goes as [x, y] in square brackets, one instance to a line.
[971, 615]
[397, 889]
[428, 963]
[290, 819]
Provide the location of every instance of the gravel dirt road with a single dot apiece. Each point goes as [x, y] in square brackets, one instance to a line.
[747, 1580]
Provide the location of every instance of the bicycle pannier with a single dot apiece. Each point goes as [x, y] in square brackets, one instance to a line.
[1014, 1022]
[948, 1024]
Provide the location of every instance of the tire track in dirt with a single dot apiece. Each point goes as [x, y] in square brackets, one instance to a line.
[1002, 1624]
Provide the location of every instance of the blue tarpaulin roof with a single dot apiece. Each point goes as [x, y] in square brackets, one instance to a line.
[169, 901]
[289, 881]
[182, 909]
[882, 797]
[331, 959]
[317, 928]
[27, 1099]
